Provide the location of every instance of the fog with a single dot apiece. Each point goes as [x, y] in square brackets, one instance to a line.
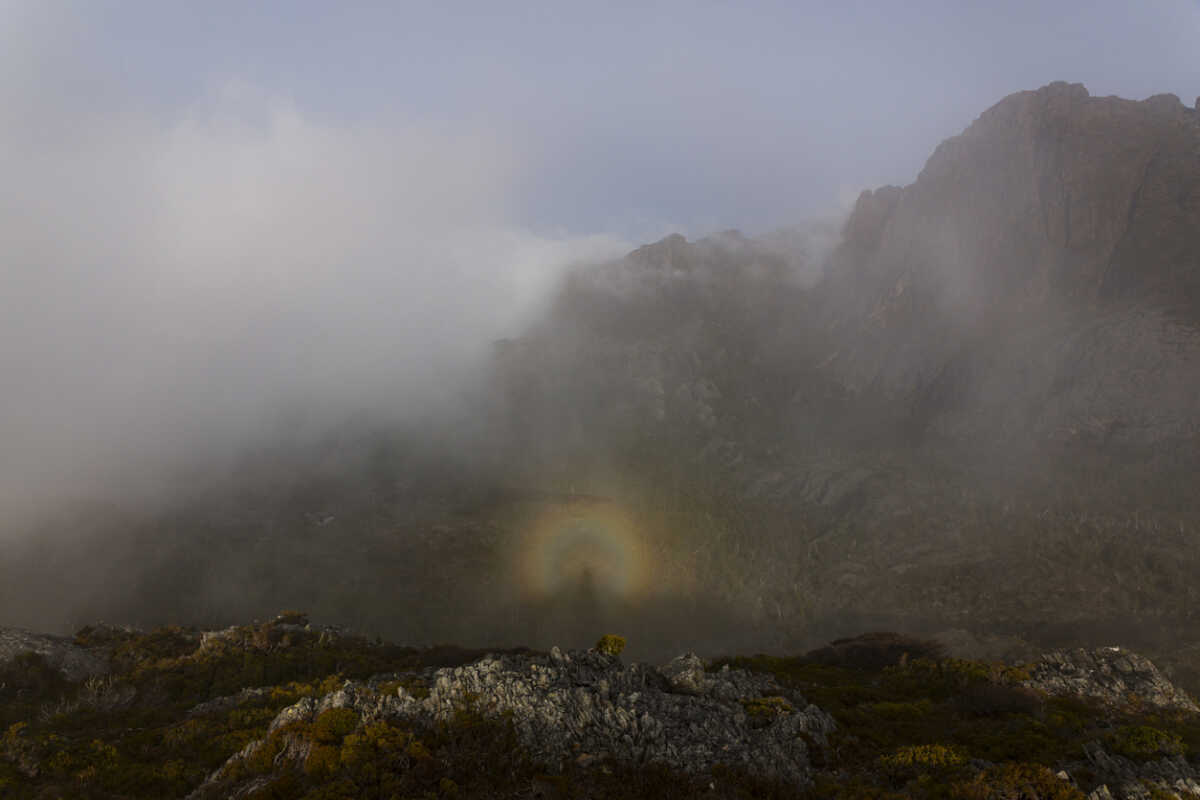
[178, 287]
[235, 229]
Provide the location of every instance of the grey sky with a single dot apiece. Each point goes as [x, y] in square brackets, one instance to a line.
[637, 115]
[214, 210]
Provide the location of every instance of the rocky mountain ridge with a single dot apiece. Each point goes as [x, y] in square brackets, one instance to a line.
[992, 389]
[1040, 278]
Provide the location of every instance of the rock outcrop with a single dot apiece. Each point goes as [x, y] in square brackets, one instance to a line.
[585, 706]
[407, 722]
[1125, 779]
[1050, 193]
[1112, 675]
[1041, 276]
[74, 662]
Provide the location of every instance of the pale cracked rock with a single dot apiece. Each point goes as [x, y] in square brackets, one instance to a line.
[73, 661]
[1112, 675]
[685, 674]
[1123, 779]
[568, 706]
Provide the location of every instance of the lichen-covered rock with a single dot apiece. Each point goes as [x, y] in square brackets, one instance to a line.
[685, 674]
[592, 703]
[587, 706]
[1125, 779]
[220, 705]
[74, 662]
[1113, 675]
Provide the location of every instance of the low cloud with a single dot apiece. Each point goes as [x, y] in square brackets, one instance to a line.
[175, 284]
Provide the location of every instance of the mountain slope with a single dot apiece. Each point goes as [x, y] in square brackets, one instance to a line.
[1041, 278]
[983, 416]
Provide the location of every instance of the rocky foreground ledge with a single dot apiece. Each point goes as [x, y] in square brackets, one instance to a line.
[285, 709]
[580, 706]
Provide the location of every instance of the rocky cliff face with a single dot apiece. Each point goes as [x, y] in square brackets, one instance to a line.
[1039, 283]
[701, 342]
[963, 422]
[1050, 193]
[1041, 276]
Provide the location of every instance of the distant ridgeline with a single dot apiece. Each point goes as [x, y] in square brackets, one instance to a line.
[1039, 281]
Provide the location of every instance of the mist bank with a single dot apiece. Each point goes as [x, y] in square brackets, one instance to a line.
[180, 288]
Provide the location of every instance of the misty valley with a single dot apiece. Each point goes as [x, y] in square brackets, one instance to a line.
[900, 504]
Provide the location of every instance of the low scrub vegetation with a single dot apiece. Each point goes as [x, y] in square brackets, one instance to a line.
[910, 723]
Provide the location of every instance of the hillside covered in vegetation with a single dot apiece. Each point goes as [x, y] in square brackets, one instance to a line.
[286, 709]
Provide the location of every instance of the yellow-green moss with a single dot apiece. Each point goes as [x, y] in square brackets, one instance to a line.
[372, 742]
[1143, 742]
[15, 734]
[922, 757]
[1157, 791]
[1018, 780]
[610, 644]
[417, 751]
[767, 708]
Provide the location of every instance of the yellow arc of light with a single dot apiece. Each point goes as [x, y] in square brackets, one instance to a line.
[596, 539]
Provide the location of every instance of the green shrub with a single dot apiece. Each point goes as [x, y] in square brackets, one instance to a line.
[28, 677]
[610, 644]
[901, 710]
[323, 760]
[1142, 742]
[764, 710]
[990, 699]
[376, 743]
[334, 724]
[922, 758]
[1016, 782]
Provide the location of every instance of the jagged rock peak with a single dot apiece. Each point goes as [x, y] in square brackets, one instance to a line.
[676, 252]
[1051, 192]
[1058, 235]
[663, 253]
[871, 212]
